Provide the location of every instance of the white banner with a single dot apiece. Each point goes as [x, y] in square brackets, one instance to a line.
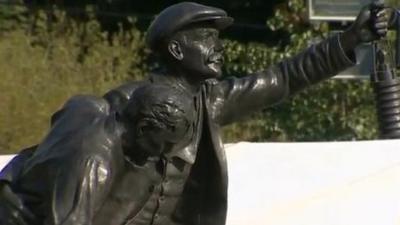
[335, 183]
[4, 159]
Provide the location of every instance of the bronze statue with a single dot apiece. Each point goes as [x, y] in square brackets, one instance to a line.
[163, 176]
[91, 156]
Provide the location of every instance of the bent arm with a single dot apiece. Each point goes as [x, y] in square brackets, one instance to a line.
[77, 196]
[12, 170]
[12, 209]
[233, 98]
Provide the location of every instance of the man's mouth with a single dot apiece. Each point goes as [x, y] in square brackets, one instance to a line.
[216, 58]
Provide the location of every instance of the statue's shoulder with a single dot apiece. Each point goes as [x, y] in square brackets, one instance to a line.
[79, 131]
[118, 96]
[125, 90]
[81, 105]
[87, 102]
[75, 114]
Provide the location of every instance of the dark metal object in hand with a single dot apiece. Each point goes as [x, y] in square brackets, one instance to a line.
[396, 25]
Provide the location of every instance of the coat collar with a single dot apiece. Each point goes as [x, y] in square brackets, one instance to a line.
[173, 82]
[187, 154]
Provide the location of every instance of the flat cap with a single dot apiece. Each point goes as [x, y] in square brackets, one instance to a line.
[178, 16]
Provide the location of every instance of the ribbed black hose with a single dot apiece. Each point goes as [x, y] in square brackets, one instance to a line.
[388, 107]
[387, 93]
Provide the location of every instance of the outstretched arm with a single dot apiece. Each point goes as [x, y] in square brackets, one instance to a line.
[237, 97]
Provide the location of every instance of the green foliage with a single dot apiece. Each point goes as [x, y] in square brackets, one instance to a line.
[11, 17]
[47, 58]
[41, 68]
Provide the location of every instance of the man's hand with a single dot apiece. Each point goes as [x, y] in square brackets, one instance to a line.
[371, 24]
[12, 210]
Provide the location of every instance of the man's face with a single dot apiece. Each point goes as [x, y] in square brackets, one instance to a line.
[202, 52]
[151, 140]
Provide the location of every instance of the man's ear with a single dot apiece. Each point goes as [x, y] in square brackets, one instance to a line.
[174, 48]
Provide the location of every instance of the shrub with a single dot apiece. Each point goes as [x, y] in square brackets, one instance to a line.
[43, 67]
[47, 58]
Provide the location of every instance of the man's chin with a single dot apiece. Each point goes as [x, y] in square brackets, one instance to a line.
[215, 72]
[212, 76]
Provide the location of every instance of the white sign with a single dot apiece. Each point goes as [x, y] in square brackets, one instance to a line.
[335, 10]
[4, 160]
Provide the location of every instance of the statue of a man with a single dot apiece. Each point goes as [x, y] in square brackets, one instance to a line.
[191, 184]
[94, 163]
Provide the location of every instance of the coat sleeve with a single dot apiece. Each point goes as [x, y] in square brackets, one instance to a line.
[77, 195]
[88, 105]
[81, 178]
[73, 165]
[230, 99]
[12, 170]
